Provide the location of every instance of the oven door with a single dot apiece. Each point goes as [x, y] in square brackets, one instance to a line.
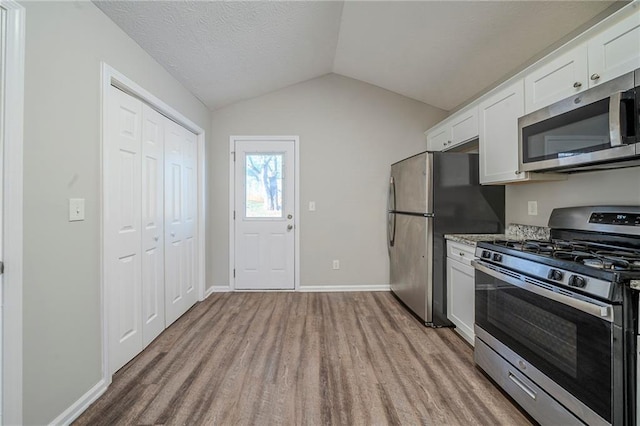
[594, 127]
[568, 340]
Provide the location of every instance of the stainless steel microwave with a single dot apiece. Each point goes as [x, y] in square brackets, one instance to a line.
[596, 129]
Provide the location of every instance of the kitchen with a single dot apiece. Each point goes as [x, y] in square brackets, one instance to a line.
[335, 117]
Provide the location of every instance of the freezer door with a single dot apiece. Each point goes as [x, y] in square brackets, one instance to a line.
[411, 263]
[411, 184]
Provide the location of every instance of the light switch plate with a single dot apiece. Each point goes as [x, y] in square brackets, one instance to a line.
[76, 209]
[532, 208]
[312, 206]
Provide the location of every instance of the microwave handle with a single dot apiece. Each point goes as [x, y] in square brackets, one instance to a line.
[615, 100]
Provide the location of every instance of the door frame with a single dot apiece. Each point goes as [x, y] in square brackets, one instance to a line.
[13, 220]
[232, 200]
[112, 77]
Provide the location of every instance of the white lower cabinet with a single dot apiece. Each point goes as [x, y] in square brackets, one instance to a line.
[460, 289]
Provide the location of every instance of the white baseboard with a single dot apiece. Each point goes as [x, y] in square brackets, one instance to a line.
[344, 288]
[307, 288]
[78, 407]
[217, 289]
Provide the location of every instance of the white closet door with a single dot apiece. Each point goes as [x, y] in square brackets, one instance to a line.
[180, 223]
[152, 224]
[122, 228]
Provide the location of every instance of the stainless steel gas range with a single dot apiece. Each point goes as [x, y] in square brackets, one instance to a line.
[556, 321]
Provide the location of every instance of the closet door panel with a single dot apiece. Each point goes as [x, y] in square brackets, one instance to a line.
[123, 228]
[153, 320]
[190, 209]
[180, 220]
[174, 222]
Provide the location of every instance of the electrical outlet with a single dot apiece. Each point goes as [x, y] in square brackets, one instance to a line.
[532, 208]
[76, 209]
[312, 206]
[336, 264]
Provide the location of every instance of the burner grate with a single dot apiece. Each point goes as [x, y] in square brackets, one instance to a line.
[590, 254]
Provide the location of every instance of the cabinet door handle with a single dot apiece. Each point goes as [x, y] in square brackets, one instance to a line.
[594, 76]
[577, 85]
[461, 254]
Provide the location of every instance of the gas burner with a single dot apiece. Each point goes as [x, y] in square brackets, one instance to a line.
[564, 245]
[622, 260]
[531, 246]
[613, 260]
[605, 263]
[574, 255]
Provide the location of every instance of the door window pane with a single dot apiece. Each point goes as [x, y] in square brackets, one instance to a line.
[263, 185]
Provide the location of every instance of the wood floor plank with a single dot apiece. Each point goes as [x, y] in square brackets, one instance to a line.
[303, 359]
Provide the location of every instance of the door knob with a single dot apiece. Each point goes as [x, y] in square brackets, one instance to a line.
[289, 227]
[289, 216]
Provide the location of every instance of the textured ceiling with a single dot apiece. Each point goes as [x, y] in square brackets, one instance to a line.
[438, 52]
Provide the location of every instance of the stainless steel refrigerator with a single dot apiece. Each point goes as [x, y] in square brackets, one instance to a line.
[432, 194]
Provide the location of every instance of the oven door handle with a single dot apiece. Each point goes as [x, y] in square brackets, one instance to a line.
[602, 311]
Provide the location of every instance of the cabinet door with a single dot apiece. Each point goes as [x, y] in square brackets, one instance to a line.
[438, 138]
[461, 298]
[464, 126]
[615, 51]
[499, 134]
[557, 79]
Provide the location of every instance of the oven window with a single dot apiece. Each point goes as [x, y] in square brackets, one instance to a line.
[547, 334]
[575, 132]
[572, 348]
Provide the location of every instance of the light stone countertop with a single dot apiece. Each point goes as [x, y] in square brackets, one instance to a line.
[514, 232]
[472, 239]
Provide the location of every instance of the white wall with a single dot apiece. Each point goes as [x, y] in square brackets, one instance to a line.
[65, 43]
[620, 186]
[350, 133]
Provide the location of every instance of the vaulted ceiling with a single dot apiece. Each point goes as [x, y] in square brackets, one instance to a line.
[437, 52]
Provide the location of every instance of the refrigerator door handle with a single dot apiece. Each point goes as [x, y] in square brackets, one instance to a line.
[391, 219]
[391, 198]
[391, 229]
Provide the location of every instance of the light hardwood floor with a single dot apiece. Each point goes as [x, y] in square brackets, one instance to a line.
[302, 358]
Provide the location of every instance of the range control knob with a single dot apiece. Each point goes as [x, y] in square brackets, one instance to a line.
[497, 257]
[486, 254]
[555, 275]
[577, 281]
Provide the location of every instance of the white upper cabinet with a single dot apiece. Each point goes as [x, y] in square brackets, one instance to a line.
[498, 127]
[457, 129]
[498, 124]
[556, 79]
[615, 50]
[438, 137]
[464, 126]
[604, 56]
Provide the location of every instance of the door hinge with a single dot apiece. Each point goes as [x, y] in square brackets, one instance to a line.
[234, 155]
[234, 273]
[1, 268]
[234, 215]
